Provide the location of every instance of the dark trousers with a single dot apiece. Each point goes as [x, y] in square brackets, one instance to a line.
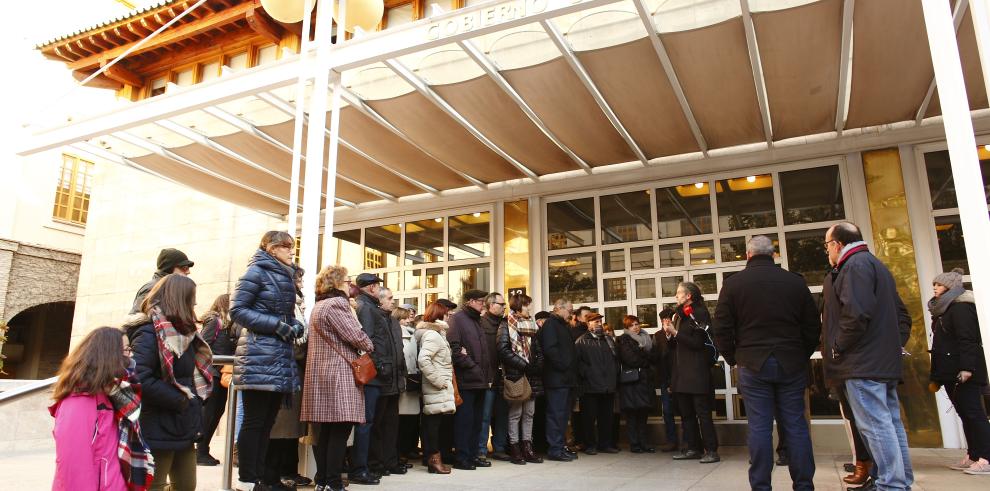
[577, 428]
[596, 420]
[447, 437]
[467, 424]
[771, 393]
[330, 451]
[696, 410]
[174, 470]
[968, 402]
[540, 425]
[384, 451]
[409, 425]
[668, 406]
[636, 427]
[557, 412]
[431, 434]
[212, 411]
[260, 409]
[281, 459]
[362, 434]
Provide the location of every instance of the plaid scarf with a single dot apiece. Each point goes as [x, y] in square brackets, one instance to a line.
[520, 328]
[136, 462]
[172, 343]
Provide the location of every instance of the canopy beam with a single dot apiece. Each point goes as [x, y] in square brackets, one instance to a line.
[845, 67]
[758, 79]
[957, 16]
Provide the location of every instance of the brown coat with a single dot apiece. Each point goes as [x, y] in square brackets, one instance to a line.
[329, 392]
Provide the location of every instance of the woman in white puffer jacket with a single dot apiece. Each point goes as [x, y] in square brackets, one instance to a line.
[434, 361]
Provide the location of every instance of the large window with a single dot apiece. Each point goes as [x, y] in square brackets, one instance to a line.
[424, 258]
[625, 251]
[72, 192]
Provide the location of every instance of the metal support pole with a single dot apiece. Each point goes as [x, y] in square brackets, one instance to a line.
[334, 143]
[962, 154]
[297, 138]
[314, 152]
[229, 439]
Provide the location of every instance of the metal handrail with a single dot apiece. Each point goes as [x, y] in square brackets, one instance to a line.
[33, 387]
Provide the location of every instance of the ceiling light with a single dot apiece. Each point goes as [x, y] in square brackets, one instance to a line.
[438, 220]
[751, 179]
[699, 185]
[476, 215]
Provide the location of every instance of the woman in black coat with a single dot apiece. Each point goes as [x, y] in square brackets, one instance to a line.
[172, 362]
[637, 386]
[691, 380]
[520, 355]
[265, 369]
[958, 364]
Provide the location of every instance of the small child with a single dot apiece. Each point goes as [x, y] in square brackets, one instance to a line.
[93, 450]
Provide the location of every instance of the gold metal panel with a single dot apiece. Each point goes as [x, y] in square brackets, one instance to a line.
[516, 237]
[893, 244]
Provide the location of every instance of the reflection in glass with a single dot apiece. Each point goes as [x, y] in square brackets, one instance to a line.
[702, 252]
[668, 285]
[684, 210]
[951, 248]
[940, 183]
[469, 236]
[615, 289]
[614, 316]
[467, 277]
[671, 255]
[414, 279]
[346, 250]
[390, 280]
[811, 195]
[431, 298]
[626, 217]
[646, 288]
[381, 246]
[571, 223]
[739, 407]
[434, 277]
[424, 241]
[641, 258]
[614, 260]
[647, 314]
[719, 411]
[573, 277]
[707, 283]
[807, 256]
[818, 401]
[745, 203]
[733, 249]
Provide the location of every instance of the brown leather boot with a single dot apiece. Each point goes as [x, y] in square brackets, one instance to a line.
[516, 454]
[861, 474]
[435, 465]
[529, 454]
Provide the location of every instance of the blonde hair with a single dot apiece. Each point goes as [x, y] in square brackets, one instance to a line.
[331, 278]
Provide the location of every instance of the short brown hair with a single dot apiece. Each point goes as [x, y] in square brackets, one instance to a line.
[94, 366]
[401, 314]
[331, 278]
[274, 238]
[518, 301]
[175, 295]
[629, 320]
[435, 311]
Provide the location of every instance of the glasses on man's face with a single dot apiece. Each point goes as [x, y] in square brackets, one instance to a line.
[826, 243]
[127, 350]
[499, 303]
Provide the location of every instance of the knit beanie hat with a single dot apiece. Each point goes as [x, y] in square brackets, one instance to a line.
[169, 259]
[951, 279]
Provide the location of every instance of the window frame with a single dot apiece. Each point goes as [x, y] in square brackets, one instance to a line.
[70, 192]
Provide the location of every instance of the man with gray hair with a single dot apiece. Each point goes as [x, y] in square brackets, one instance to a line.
[766, 322]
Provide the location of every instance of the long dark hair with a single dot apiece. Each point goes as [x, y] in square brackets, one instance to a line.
[220, 308]
[175, 296]
[94, 366]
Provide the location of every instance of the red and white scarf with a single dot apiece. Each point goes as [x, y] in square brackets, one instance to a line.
[172, 344]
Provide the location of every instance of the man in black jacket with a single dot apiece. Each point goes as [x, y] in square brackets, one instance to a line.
[766, 322]
[496, 415]
[559, 378]
[374, 322]
[170, 261]
[383, 454]
[866, 326]
[473, 369]
[598, 371]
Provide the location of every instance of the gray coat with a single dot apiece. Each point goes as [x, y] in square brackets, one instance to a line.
[865, 321]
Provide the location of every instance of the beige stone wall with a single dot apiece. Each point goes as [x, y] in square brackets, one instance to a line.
[31, 275]
[132, 217]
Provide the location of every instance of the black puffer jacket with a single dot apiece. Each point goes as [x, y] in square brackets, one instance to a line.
[265, 297]
[473, 368]
[692, 364]
[375, 323]
[598, 367]
[514, 366]
[641, 394]
[220, 337]
[957, 344]
[170, 420]
[560, 367]
[490, 325]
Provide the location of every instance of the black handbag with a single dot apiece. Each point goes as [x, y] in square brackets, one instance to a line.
[628, 375]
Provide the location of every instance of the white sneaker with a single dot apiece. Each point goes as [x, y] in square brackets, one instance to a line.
[244, 486]
[962, 464]
[979, 468]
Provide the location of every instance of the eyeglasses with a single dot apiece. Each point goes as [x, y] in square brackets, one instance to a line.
[499, 303]
[826, 243]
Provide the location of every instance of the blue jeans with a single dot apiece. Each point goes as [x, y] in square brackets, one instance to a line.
[557, 412]
[362, 433]
[467, 424]
[878, 416]
[494, 419]
[239, 417]
[667, 404]
[770, 393]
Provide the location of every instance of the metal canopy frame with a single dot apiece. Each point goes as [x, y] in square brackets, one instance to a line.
[757, 64]
[957, 17]
[845, 67]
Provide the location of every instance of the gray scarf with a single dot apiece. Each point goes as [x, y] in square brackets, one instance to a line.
[937, 305]
[644, 339]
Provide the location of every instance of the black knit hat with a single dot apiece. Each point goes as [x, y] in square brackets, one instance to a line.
[169, 259]
[543, 314]
[474, 295]
[447, 303]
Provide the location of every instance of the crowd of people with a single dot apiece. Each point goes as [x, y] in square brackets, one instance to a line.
[374, 386]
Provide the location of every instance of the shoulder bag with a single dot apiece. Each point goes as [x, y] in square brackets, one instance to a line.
[362, 366]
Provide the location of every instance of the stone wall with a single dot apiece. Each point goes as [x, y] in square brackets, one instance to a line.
[32, 275]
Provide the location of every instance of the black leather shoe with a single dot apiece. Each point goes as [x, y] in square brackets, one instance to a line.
[400, 469]
[480, 462]
[363, 478]
[502, 456]
[206, 460]
[688, 455]
[591, 451]
[465, 466]
[610, 450]
[782, 460]
[379, 472]
[869, 485]
[562, 457]
[636, 450]
[649, 450]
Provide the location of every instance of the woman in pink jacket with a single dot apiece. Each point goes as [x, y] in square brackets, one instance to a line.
[91, 400]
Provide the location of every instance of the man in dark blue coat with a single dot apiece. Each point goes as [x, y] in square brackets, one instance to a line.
[473, 369]
[559, 376]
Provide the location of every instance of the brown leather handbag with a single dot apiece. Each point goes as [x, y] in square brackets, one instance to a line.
[362, 366]
[457, 394]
